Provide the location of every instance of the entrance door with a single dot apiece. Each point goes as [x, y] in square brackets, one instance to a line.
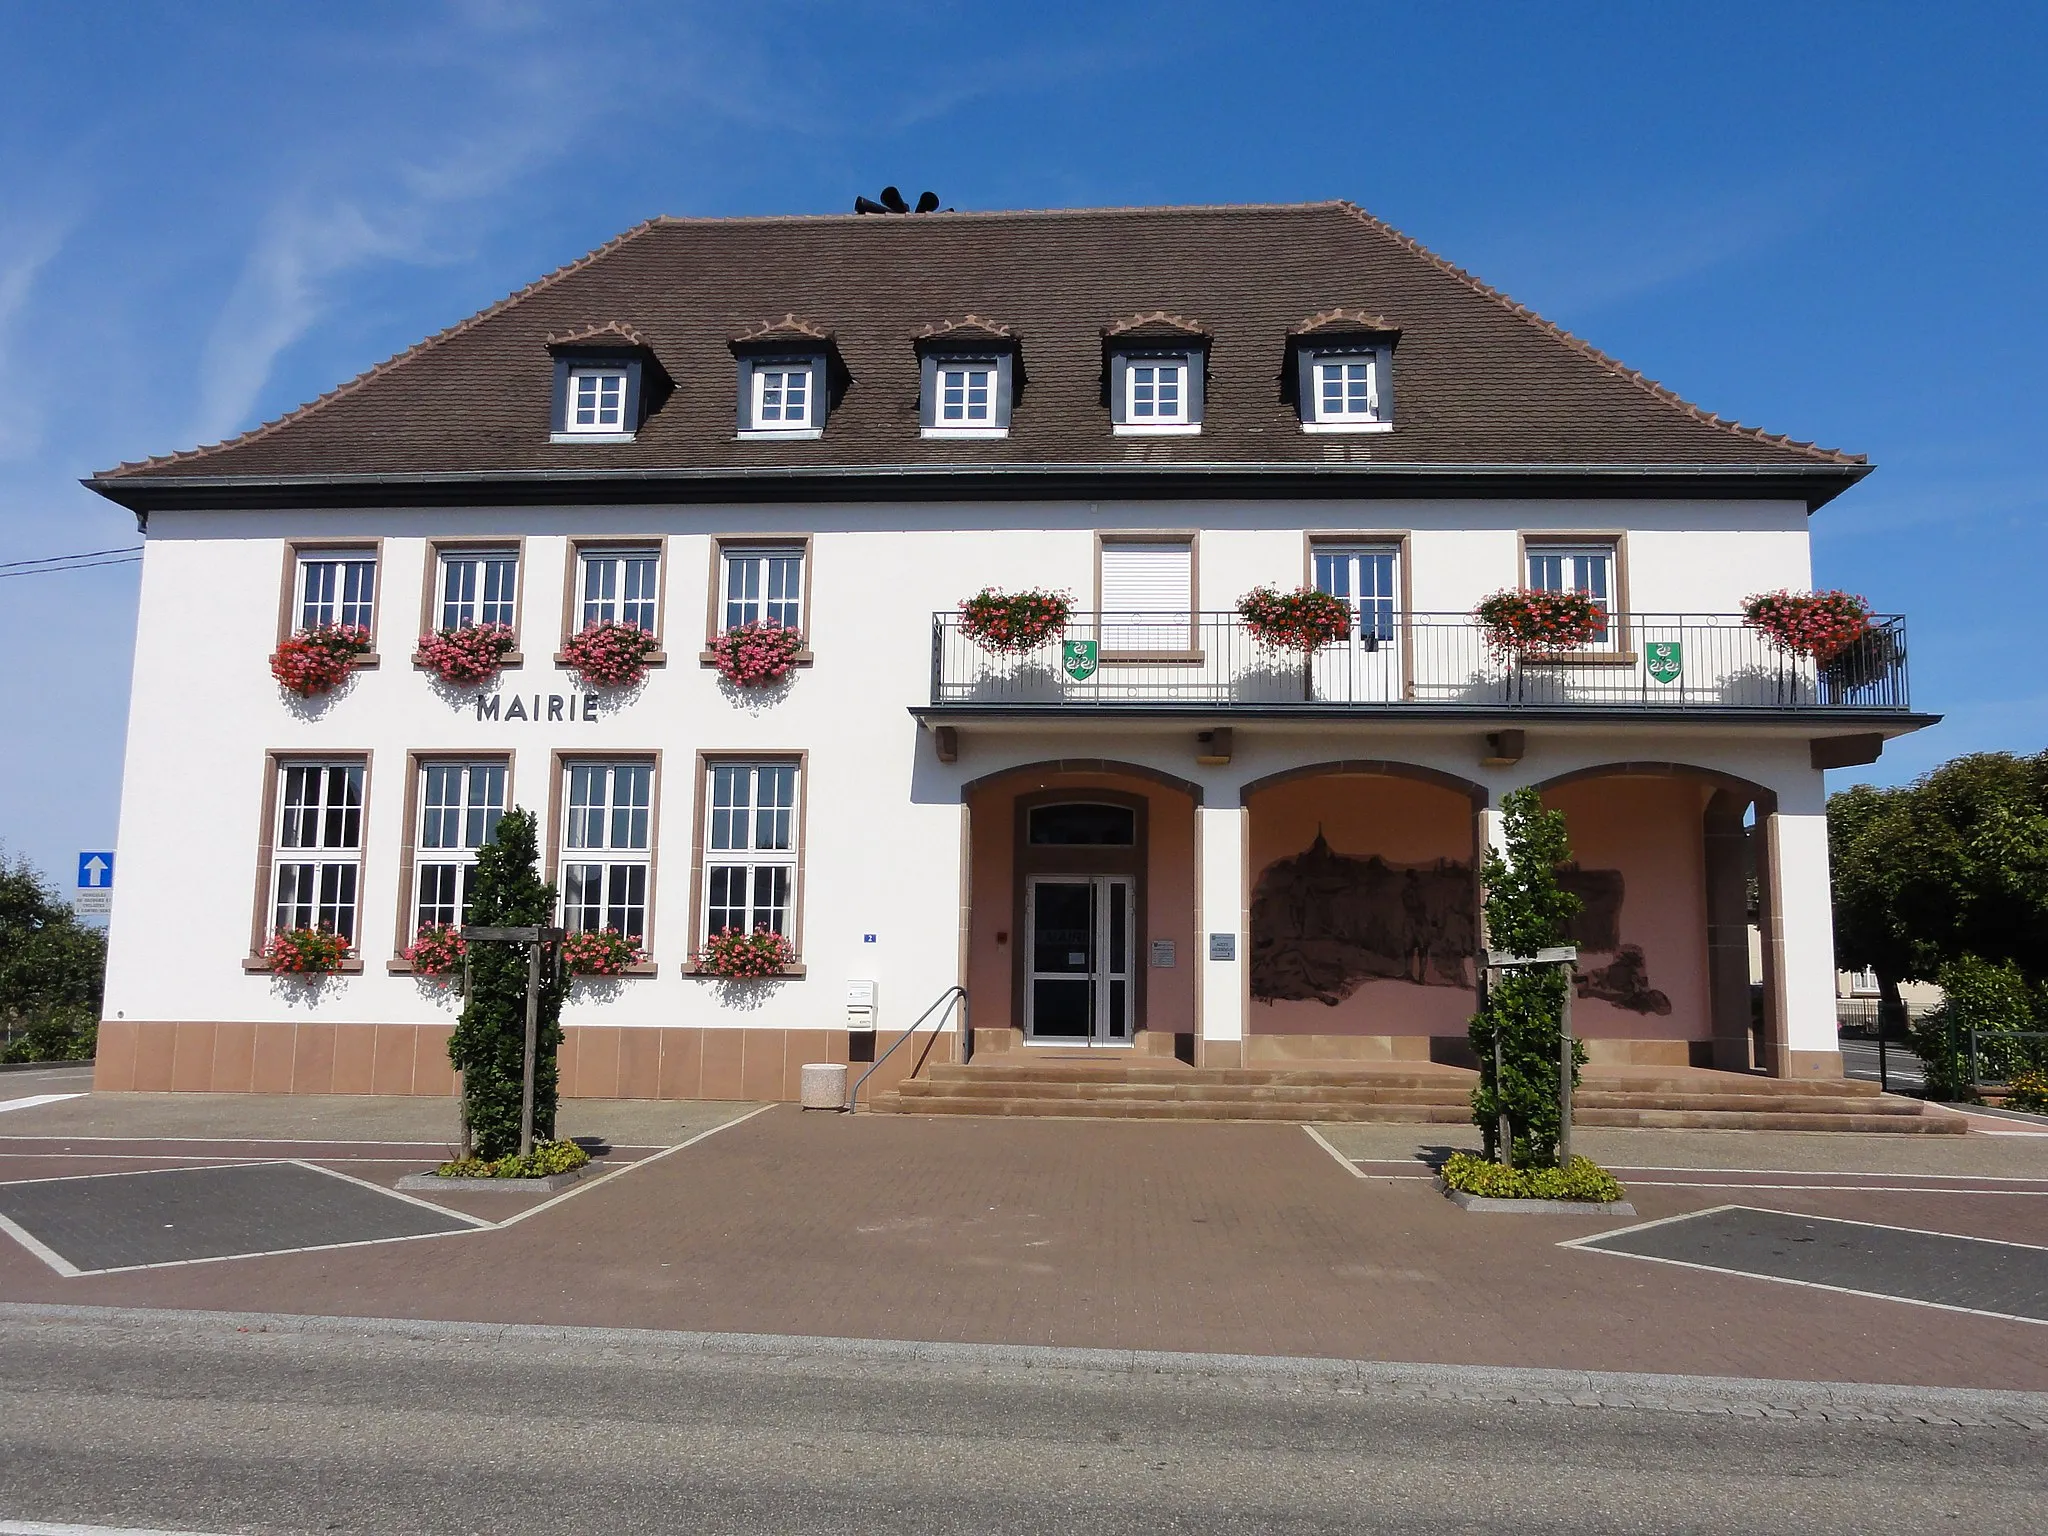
[1366, 668]
[1078, 989]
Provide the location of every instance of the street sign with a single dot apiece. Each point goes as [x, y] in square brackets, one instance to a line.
[92, 904]
[95, 871]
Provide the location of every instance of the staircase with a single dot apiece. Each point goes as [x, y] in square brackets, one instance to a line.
[1421, 1093]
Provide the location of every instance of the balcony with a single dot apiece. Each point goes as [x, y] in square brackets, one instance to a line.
[1419, 664]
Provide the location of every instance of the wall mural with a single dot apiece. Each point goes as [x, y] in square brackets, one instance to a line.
[1324, 923]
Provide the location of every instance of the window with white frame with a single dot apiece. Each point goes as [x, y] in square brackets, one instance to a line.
[967, 393]
[1347, 389]
[621, 586]
[607, 847]
[1587, 568]
[783, 392]
[764, 585]
[336, 587]
[1156, 391]
[478, 587]
[317, 848]
[460, 804]
[597, 401]
[750, 850]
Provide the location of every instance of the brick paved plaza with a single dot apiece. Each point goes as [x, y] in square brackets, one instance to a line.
[1203, 1237]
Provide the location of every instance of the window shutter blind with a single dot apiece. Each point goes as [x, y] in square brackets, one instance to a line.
[1146, 579]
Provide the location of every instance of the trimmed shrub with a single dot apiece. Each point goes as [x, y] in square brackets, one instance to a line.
[547, 1157]
[1580, 1179]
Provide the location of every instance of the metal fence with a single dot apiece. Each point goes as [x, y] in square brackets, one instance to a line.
[1646, 661]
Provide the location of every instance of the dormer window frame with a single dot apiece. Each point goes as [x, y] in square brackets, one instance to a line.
[1313, 357]
[754, 371]
[936, 362]
[1127, 383]
[575, 364]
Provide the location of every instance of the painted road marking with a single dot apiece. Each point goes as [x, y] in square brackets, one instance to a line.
[35, 1099]
[44, 1528]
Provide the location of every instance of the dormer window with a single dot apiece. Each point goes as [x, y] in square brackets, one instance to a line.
[1155, 392]
[782, 397]
[597, 401]
[606, 382]
[969, 376]
[1343, 371]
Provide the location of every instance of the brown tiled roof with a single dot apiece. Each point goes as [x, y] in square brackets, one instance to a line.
[1156, 322]
[969, 327]
[1479, 380]
[788, 328]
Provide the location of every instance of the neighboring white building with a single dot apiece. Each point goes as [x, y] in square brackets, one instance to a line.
[1180, 844]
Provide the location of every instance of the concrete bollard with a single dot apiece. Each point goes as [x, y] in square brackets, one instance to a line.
[823, 1085]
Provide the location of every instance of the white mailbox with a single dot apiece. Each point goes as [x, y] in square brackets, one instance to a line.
[860, 1006]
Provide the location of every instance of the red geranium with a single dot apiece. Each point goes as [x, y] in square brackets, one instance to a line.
[436, 950]
[471, 654]
[1522, 619]
[756, 654]
[1014, 621]
[317, 660]
[740, 956]
[305, 951]
[600, 952]
[610, 655]
[1303, 620]
[1817, 624]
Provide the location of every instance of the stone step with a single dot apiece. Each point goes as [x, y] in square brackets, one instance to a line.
[1778, 1120]
[1182, 1109]
[1593, 1080]
[1062, 1071]
[1799, 1104]
[1198, 1091]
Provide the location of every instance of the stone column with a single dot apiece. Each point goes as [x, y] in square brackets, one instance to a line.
[1799, 942]
[1224, 909]
[1728, 928]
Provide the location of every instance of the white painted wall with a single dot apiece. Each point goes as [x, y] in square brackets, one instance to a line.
[883, 821]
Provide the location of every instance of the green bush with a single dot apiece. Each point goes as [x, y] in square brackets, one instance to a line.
[56, 1034]
[2028, 1091]
[2002, 1007]
[1580, 1179]
[548, 1157]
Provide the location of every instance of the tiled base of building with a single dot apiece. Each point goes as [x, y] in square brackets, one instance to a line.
[597, 1062]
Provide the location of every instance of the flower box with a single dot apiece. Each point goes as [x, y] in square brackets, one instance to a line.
[304, 952]
[600, 952]
[317, 660]
[610, 655]
[1014, 622]
[436, 950]
[740, 956]
[1522, 621]
[756, 655]
[1303, 620]
[1822, 625]
[472, 654]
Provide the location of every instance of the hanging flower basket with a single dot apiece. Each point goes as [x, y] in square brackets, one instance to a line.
[600, 952]
[1521, 620]
[757, 654]
[741, 956]
[1822, 625]
[472, 654]
[1015, 622]
[305, 952]
[436, 950]
[1303, 620]
[317, 660]
[609, 655]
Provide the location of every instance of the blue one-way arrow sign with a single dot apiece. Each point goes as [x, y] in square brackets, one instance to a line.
[95, 871]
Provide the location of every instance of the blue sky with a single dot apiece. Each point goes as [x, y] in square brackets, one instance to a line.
[1825, 220]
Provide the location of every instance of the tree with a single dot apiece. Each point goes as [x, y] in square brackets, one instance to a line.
[1950, 866]
[52, 969]
[1526, 910]
[488, 1046]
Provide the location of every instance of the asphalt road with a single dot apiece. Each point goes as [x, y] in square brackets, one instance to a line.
[158, 1421]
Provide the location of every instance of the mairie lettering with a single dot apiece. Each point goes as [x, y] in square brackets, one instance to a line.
[541, 706]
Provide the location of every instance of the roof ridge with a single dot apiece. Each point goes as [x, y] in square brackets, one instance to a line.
[378, 370]
[689, 220]
[1587, 350]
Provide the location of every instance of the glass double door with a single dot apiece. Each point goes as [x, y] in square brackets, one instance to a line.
[1365, 667]
[1079, 942]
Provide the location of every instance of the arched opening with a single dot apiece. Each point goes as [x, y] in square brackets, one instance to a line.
[1363, 920]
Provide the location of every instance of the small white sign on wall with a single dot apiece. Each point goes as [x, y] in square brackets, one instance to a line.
[1162, 954]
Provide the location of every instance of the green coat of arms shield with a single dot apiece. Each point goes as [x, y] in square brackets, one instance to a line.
[1079, 658]
[1666, 660]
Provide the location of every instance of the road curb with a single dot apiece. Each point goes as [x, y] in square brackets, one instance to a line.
[1742, 1397]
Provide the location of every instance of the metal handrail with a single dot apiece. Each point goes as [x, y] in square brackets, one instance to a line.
[944, 999]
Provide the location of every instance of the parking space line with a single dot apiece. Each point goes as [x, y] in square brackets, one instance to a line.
[1350, 1165]
[605, 1178]
[41, 1250]
[395, 1194]
[35, 1099]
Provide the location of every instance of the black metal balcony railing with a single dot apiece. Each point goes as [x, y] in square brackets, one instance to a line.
[1649, 661]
